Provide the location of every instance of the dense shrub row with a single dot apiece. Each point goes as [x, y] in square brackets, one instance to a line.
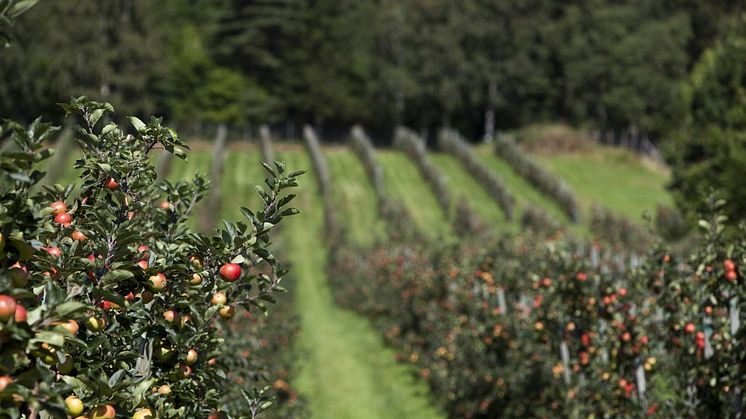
[538, 177]
[265, 138]
[323, 178]
[109, 305]
[451, 142]
[537, 220]
[462, 215]
[366, 153]
[618, 230]
[521, 328]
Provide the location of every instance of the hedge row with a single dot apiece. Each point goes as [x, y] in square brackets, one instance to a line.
[265, 137]
[617, 230]
[541, 179]
[451, 142]
[323, 178]
[516, 328]
[366, 153]
[463, 216]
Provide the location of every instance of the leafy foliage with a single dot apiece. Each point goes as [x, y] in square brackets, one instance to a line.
[117, 303]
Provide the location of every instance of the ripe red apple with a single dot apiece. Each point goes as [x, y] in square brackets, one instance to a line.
[227, 312]
[157, 282]
[165, 205]
[581, 276]
[644, 340]
[5, 381]
[626, 336]
[79, 236]
[7, 308]
[65, 219]
[212, 361]
[546, 282]
[111, 184]
[58, 207]
[129, 297]
[731, 276]
[218, 298]
[708, 310]
[141, 248]
[53, 250]
[216, 415]
[20, 314]
[622, 292]
[103, 411]
[74, 406]
[729, 265]
[690, 328]
[143, 264]
[230, 272]
[191, 357]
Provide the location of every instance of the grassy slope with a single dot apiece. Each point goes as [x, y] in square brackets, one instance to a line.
[404, 183]
[615, 178]
[463, 185]
[354, 197]
[524, 193]
[346, 371]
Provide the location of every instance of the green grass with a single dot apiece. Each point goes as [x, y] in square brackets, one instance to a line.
[346, 371]
[616, 179]
[463, 186]
[525, 194]
[404, 183]
[355, 200]
[242, 172]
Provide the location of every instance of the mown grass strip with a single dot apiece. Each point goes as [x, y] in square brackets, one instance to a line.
[463, 186]
[404, 183]
[616, 179]
[347, 372]
[354, 197]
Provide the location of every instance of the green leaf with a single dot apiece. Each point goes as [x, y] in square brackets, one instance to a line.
[117, 275]
[137, 123]
[67, 308]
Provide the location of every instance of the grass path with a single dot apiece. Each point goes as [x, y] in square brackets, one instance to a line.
[463, 186]
[404, 183]
[346, 371]
[354, 197]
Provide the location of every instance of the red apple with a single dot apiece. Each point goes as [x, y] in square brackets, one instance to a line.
[20, 314]
[731, 276]
[581, 276]
[171, 316]
[690, 328]
[111, 184]
[54, 251]
[143, 264]
[729, 265]
[79, 236]
[157, 282]
[58, 207]
[230, 272]
[7, 308]
[65, 219]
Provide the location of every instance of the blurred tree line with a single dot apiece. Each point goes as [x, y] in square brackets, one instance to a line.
[471, 64]
[672, 69]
